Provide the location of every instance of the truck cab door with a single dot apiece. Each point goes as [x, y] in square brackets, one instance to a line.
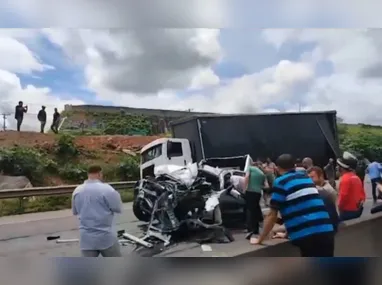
[178, 152]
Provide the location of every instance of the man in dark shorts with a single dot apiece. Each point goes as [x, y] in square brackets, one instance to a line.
[305, 215]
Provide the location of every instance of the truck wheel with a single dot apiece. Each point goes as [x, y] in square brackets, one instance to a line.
[139, 214]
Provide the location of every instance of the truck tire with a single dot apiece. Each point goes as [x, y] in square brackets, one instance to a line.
[139, 214]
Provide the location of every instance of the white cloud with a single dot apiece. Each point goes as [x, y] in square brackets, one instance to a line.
[204, 78]
[156, 63]
[15, 58]
[144, 61]
[355, 86]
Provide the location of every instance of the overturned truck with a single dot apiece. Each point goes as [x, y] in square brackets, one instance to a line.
[312, 134]
[223, 142]
[307, 134]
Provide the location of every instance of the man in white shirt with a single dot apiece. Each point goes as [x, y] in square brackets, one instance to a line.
[96, 203]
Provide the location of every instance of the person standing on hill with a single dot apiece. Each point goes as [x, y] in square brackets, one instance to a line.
[20, 109]
[56, 121]
[254, 183]
[42, 118]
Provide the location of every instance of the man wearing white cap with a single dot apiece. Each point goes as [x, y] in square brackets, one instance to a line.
[351, 191]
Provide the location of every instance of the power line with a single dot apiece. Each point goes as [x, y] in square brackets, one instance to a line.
[4, 115]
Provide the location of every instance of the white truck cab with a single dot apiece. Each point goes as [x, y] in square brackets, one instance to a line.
[164, 151]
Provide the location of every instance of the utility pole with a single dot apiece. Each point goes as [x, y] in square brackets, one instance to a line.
[5, 121]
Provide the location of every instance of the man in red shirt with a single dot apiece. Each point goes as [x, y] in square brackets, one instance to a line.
[351, 191]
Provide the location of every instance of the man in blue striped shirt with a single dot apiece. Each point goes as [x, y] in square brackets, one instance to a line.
[305, 216]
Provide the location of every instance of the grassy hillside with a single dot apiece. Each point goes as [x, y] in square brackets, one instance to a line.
[365, 140]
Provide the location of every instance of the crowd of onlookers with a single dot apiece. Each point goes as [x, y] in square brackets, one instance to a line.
[305, 200]
[20, 110]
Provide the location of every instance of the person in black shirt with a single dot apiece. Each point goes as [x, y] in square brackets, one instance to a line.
[56, 121]
[42, 118]
[330, 172]
[19, 114]
[360, 170]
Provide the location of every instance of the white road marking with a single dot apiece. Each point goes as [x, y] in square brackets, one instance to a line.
[206, 247]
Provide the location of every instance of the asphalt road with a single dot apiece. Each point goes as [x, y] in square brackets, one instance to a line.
[25, 235]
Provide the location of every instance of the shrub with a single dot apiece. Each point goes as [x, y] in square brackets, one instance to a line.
[74, 173]
[364, 141]
[129, 168]
[20, 161]
[66, 146]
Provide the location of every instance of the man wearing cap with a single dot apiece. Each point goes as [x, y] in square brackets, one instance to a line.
[42, 118]
[351, 191]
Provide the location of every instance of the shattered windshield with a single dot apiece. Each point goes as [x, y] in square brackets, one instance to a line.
[152, 153]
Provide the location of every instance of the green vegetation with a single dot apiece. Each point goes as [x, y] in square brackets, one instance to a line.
[364, 140]
[65, 162]
[95, 123]
[29, 162]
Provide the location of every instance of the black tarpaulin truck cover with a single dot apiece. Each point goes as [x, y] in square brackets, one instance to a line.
[305, 134]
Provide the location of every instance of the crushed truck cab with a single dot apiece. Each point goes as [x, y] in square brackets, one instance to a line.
[165, 151]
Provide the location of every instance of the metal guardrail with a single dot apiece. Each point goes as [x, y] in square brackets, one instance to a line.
[55, 190]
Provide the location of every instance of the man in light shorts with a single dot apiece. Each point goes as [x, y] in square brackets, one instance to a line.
[96, 203]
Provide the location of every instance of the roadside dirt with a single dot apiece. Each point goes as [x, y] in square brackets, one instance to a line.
[31, 139]
[107, 149]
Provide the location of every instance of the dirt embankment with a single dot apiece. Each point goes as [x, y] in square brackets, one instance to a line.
[108, 148]
[102, 150]
[31, 139]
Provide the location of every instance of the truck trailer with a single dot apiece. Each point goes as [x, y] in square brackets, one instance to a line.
[303, 134]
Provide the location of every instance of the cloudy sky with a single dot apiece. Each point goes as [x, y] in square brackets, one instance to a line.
[207, 57]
